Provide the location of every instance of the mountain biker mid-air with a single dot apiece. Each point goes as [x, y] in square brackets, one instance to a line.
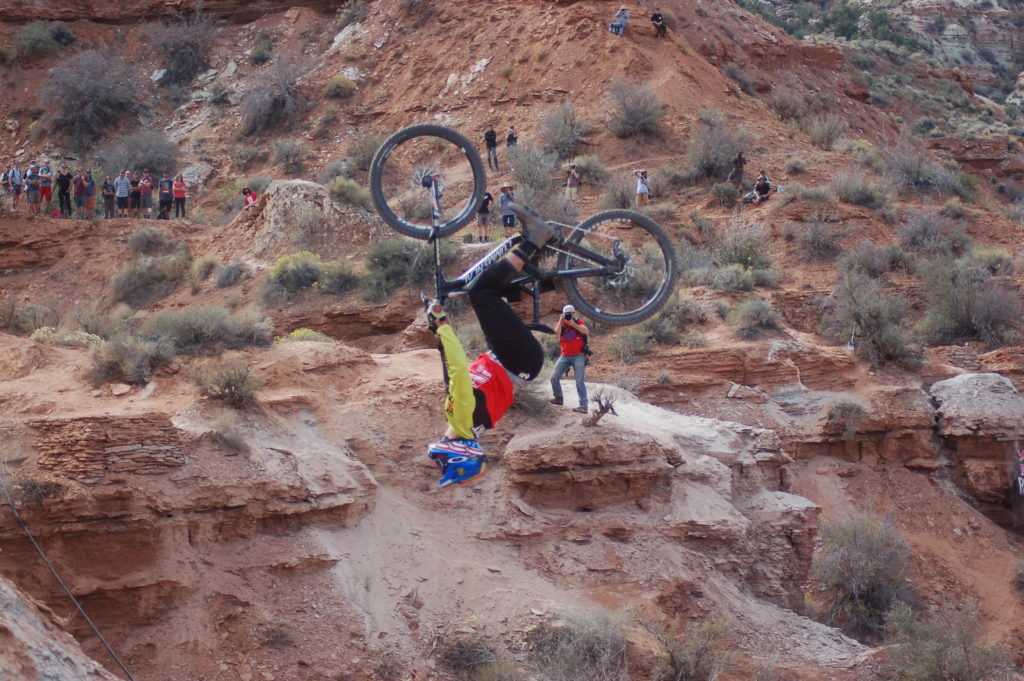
[478, 394]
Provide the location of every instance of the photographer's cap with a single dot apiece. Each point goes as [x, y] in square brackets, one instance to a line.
[568, 308]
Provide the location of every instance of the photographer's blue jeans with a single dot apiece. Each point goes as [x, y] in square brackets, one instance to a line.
[579, 369]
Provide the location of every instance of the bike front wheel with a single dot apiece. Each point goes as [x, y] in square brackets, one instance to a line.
[425, 175]
[618, 267]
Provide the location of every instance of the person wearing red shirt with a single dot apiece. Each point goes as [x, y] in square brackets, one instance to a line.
[478, 394]
[249, 196]
[572, 337]
[178, 189]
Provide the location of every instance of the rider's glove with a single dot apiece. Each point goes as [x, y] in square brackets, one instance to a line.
[436, 316]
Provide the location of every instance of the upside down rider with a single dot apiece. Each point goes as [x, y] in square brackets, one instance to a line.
[478, 394]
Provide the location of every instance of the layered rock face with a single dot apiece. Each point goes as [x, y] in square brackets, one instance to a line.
[23, 11]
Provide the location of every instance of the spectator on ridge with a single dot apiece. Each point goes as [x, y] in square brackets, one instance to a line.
[108, 197]
[643, 188]
[483, 218]
[5, 181]
[508, 218]
[78, 188]
[572, 182]
[618, 26]
[762, 190]
[179, 189]
[146, 186]
[46, 185]
[32, 184]
[659, 24]
[249, 197]
[736, 175]
[166, 196]
[90, 196]
[15, 186]
[491, 142]
[135, 195]
[64, 178]
[122, 192]
[511, 139]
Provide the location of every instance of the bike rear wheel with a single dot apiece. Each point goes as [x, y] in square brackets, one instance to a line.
[635, 262]
[398, 172]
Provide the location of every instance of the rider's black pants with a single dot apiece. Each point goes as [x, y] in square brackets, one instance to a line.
[507, 336]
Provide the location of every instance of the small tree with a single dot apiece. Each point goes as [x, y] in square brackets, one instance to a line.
[635, 110]
[185, 44]
[564, 130]
[87, 93]
[276, 100]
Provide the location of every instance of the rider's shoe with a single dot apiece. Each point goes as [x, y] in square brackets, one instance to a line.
[535, 229]
[435, 313]
[448, 447]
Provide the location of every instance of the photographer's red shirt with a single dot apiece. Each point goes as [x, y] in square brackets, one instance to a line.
[571, 340]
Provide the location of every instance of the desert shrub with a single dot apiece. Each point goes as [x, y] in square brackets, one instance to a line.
[631, 345]
[819, 240]
[337, 277]
[70, 339]
[912, 168]
[464, 655]
[635, 110]
[347, 190]
[533, 167]
[353, 12]
[862, 567]
[340, 87]
[564, 129]
[275, 99]
[229, 275]
[932, 235]
[360, 153]
[27, 317]
[551, 204]
[1015, 213]
[34, 491]
[146, 149]
[795, 166]
[148, 240]
[1017, 580]
[291, 154]
[62, 33]
[87, 93]
[861, 311]
[664, 328]
[752, 317]
[824, 130]
[735, 73]
[201, 270]
[234, 384]
[965, 304]
[725, 193]
[339, 168]
[676, 177]
[295, 271]
[246, 154]
[954, 209]
[732, 278]
[618, 193]
[304, 334]
[35, 40]
[788, 104]
[662, 211]
[583, 646]
[813, 194]
[940, 648]
[129, 359]
[149, 279]
[745, 244]
[997, 261]
[207, 327]
[846, 414]
[766, 278]
[712, 149]
[871, 260]
[218, 94]
[592, 169]
[262, 48]
[856, 189]
[185, 45]
[394, 263]
[698, 653]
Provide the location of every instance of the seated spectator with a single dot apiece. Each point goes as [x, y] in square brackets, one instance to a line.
[762, 190]
[618, 26]
[249, 196]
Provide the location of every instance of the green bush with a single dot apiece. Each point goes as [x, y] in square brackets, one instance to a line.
[464, 655]
[35, 40]
[149, 279]
[360, 153]
[130, 359]
[147, 240]
[185, 45]
[676, 177]
[954, 209]
[337, 277]
[876, 322]
[997, 261]
[564, 129]
[965, 304]
[932, 235]
[233, 384]
[912, 168]
[395, 263]
[618, 193]
[735, 73]
[583, 646]
[533, 168]
[87, 93]
[795, 166]
[752, 317]
[303, 334]
[592, 169]
[26, 318]
[339, 168]
[295, 271]
[347, 190]
[290, 154]
[635, 110]
[353, 12]
[340, 87]
[146, 149]
[207, 328]
[275, 100]
[699, 653]
[745, 244]
[788, 104]
[871, 260]
[862, 566]
[824, 130]
[229, 275]
[732, 278]
[819, 240]
[940, 648]
[262, 48]
[712, 148]
[856, 189]
[725, 193]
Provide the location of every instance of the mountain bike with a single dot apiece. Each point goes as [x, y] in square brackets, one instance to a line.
[617, 266]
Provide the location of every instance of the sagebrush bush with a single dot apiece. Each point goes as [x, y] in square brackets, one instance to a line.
[965, 304]
[954, 209]
[932, 235]
[464, 655]
[347, 190]
[732, 278]
[618, 193]
[788, 104]
[146, 149]
[185, 46]
[564, 129]
[275, 99]
[339, 168]
[550, 203]
[337, 277]
[745, 244]
[862, 566]
[1017, 579]
[699, 653]
[262, 47]
[824, 130]
[34, 491]
[910, 167]
[676, 177]
[940, 647]
[130, 359]
[234, 384]
[752, 317]
[290, 154]
[819, 240]
[1015, 213]
[340, 87]
[871, 260]
[27, 317]
[997, 261]
[148, 240]
[360, 152]
[229, 275]
[35, 40]
[588, 645]
[353, 12]
[856, 189]
[592, 170]
[87, 93]
[207, 328]
[149, 279]
[712, 149]
[201, 270]
[295, 271]
[394, 263]
[635, 110]
[735, 73]
[795, 166]
[725, 193]
[860, 310]
[533, 168]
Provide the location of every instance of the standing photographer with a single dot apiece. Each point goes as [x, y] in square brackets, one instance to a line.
[572, 337]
